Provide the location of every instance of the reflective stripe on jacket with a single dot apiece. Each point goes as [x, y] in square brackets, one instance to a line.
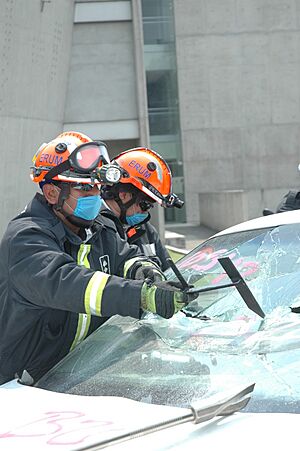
[55, 289]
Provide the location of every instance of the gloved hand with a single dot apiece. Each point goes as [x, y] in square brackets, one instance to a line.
[150, 272]
[141, 268]
[164, 298]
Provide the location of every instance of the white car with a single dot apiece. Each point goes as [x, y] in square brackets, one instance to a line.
[242, 331]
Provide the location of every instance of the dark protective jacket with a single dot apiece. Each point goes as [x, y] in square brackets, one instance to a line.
[55, 289]
[290, 201]
[145, 236]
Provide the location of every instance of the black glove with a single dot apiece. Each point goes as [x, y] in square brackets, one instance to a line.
[148, 270]
[151, 273]
[164, 298]
[140, 268]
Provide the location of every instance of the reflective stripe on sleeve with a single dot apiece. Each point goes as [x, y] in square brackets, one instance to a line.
[82, 329]
[131, 266]
[128, 264]
[84, 320]
[94, 292]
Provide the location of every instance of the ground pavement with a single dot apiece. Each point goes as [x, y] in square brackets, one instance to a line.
[186, 236]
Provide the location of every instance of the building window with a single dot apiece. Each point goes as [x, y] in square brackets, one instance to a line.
[162, 108]
[162, 92]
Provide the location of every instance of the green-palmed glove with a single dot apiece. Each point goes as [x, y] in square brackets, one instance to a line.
[164, 298]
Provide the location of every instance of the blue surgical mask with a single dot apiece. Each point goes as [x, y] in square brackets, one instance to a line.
[88, 207]
[136, 219]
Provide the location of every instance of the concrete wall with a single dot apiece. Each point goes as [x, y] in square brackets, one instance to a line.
[221, 209]
[106, 89]
[238, 75]
[102, 82]
[106, 93]
[35, 40]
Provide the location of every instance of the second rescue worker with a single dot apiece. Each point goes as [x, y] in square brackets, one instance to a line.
[61, 275]
[147, 180]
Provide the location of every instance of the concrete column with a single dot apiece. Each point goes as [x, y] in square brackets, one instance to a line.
[157, 216]
[142, 107]
[35, 46]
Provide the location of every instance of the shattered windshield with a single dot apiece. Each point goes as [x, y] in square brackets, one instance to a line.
[267, 259]
[219, 344]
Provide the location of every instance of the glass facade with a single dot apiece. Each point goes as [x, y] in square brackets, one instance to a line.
[162, 92]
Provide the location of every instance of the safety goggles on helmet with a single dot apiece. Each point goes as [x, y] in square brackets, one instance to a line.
[84, 160]
[63, 160]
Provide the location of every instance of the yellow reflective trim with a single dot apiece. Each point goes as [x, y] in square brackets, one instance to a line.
[83, 325]
[82, 257]
[94, 292]
[148, 298]
[84, 320]
[129, 263]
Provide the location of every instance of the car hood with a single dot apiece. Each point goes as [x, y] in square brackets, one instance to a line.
[36, 419]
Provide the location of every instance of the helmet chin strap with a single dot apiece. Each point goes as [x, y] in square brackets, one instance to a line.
[124, 207]
[64, 192]
[63, 196]
[113, 194]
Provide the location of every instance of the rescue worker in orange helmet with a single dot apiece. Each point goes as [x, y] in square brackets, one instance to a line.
[61, 274]
[290, 201]
[146, 180]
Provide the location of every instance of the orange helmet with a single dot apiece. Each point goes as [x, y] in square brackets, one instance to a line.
[71, 157]
[147, 171]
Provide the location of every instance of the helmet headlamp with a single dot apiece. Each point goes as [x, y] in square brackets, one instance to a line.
[110, 173]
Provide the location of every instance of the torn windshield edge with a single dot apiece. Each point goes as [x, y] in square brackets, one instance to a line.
[237, 281]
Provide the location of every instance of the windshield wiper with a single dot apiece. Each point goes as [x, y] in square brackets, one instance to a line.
[237, 281]
[203, 410]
